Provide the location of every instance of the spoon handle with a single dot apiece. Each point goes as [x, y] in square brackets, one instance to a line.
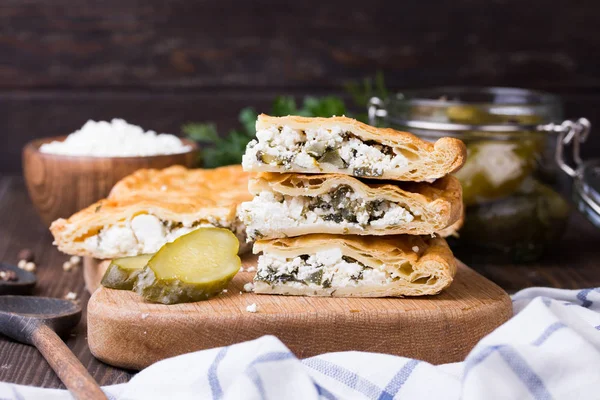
[64, 363]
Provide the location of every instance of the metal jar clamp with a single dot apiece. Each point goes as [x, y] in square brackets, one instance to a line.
[585, 174]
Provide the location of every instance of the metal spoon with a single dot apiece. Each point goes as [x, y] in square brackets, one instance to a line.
[24, 283]
[37, 321]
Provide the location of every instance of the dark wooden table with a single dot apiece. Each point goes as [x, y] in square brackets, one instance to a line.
[574, 263]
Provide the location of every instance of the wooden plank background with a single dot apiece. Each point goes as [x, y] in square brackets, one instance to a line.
[162, 63]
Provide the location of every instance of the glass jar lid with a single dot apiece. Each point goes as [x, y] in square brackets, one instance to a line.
[460, 109]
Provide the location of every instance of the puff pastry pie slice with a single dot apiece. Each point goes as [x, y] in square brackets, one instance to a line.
[300, 204]
[152, 207]
[346, 146]
[354, 266]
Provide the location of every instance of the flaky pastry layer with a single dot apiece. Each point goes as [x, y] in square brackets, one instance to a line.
[175, 195]
[431, 207]
[419, 265]
[424, 161]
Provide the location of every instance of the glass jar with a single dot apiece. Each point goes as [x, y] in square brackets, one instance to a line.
[513, 211]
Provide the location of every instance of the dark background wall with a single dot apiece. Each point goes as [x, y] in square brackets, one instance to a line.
[160, 63]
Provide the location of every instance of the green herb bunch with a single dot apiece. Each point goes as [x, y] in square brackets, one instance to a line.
[219, 150]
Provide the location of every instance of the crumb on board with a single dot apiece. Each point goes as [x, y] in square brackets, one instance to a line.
[71, 296]
[252, 308]
[22, 264]
[241, 269]
[67, 266]
[145, 315]
[251, 269]
[248, 287]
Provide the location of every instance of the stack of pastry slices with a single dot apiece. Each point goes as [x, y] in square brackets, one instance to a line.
[341, 208]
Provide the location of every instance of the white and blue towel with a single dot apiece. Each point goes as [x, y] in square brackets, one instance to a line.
[550, 349]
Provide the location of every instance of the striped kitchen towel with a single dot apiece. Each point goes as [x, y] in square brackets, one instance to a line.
[550, 349]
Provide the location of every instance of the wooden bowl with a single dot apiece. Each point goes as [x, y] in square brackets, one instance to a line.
[60, 185]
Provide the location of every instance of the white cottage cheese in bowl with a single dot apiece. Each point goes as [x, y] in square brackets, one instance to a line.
[116, 138]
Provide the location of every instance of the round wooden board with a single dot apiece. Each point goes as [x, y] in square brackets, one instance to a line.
[127, 332]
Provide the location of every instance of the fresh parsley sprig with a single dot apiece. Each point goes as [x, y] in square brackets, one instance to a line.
[222, 150]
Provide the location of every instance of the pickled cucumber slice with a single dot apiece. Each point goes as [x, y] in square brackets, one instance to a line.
[196, 266]
[122, 272]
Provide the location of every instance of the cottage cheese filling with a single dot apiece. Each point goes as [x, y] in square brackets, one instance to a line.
[272, 212]
[312, 148]
[327, 269]
[145, 234]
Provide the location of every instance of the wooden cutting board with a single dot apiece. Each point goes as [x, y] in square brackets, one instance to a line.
[127, 332]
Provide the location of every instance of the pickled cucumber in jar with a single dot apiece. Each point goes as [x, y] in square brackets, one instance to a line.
[495, 170]
[473, 115]
[521, 226]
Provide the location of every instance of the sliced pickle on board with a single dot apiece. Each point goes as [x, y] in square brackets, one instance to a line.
[194, 267]
[122, 272]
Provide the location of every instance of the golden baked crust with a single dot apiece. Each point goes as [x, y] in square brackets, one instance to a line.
[175, 194]
[428, 270]
[212, 185]
[437, 205]
[427, 161]
[453, 230]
